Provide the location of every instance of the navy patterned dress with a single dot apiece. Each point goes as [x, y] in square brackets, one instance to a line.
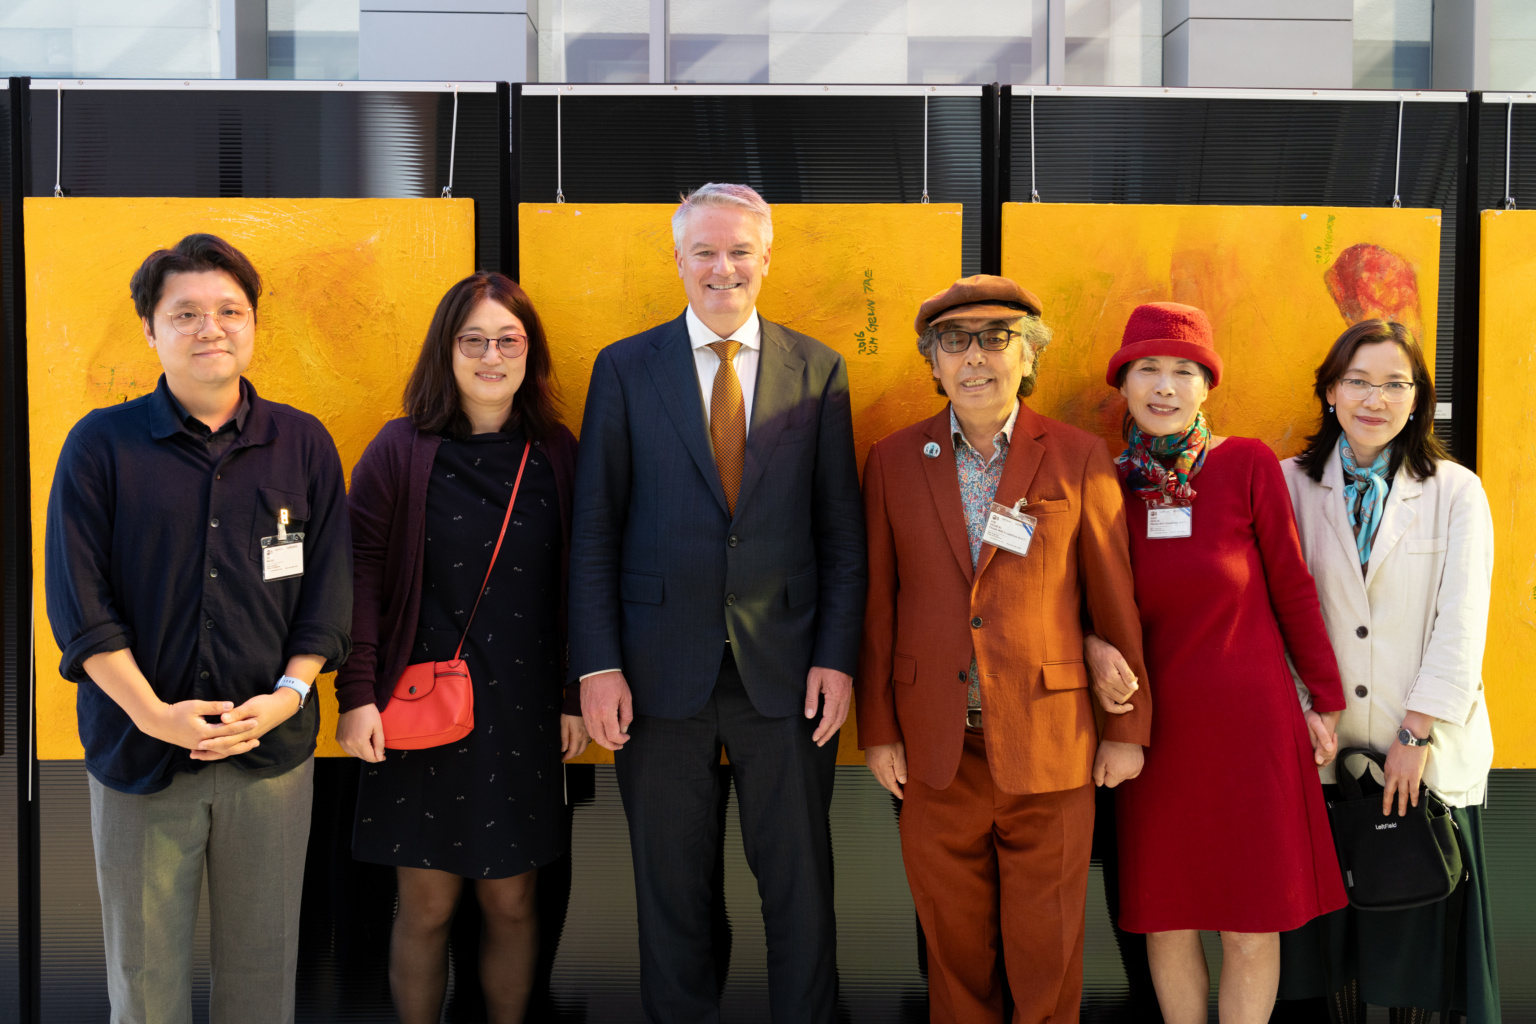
[490, 805]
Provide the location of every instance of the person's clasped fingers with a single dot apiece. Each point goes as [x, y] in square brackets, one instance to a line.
[220, 737]
[233, 749]
[231, 727]
[227, 744]
[208, 708]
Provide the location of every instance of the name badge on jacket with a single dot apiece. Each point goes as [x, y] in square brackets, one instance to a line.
[1168, 522]
[1010, 529]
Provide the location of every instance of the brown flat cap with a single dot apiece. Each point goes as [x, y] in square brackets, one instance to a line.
[980, 295]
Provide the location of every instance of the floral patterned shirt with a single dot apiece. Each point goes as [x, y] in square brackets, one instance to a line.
[978, 486]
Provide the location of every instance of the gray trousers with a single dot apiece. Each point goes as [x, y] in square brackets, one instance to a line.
[251, 833]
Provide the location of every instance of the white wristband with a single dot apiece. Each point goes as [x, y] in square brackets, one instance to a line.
[298, 686]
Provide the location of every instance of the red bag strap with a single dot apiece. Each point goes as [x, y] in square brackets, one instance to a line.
[504, 521]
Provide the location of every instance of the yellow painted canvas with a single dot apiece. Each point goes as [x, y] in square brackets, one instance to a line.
[849, 275]
[1506, 462]
[350, 286]
[1279, 284]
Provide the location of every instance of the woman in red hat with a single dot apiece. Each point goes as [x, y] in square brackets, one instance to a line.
[1225, 829]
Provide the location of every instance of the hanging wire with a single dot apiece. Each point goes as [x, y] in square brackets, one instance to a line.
[58, 146]
[559, 157]
[453, 141]
[1509, 134]
[1034, 194]
[925, 148]
[1397, 175]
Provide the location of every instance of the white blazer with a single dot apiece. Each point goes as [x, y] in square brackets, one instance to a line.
[1409, 633]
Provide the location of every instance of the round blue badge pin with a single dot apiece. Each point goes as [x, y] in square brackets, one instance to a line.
[931, 449]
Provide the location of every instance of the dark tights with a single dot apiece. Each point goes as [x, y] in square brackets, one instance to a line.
[418, 948]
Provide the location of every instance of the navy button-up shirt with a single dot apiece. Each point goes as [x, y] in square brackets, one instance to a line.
[154, 545]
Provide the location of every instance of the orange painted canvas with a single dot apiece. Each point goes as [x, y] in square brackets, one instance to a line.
[850, 275]
[350, 286]
[1506, 462]
[1279, 284]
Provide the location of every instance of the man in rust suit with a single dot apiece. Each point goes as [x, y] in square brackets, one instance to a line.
[997, 539]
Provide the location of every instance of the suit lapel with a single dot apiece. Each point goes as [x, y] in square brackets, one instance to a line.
[1396, 515]
[1334, 512]
[1025, 454]
[677, 381]
[944, 486]
[780, 374]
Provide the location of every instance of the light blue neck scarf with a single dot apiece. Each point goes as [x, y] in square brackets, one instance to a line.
[1365, 494]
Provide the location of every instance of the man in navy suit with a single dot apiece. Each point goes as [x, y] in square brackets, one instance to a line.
[716, 599]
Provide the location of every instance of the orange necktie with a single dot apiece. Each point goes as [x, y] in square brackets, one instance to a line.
[728, 421]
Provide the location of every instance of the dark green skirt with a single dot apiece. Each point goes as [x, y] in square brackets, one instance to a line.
[1398, 956]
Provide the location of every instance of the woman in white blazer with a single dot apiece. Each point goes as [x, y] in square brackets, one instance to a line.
[1400, 541]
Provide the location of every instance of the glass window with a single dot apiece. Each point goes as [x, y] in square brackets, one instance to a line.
[86, 39]
[1392, 44]
[1512, 45]
[967, 61]
[720, 41]
[979, 41]
[594, 40]
[1114, 42]
[755, 41]
[312, 38]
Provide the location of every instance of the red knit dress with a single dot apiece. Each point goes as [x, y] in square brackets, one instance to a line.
[1225, 828]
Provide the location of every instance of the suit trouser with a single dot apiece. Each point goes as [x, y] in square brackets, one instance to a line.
[253, 833]
[989, 868]
[669, 777]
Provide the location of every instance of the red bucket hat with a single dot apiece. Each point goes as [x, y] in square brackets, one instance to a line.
[1166, 329]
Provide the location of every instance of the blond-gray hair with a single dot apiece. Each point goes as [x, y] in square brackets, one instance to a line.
[741, 197]
[1035, 333]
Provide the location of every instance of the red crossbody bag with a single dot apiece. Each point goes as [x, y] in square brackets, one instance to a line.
[433, 702]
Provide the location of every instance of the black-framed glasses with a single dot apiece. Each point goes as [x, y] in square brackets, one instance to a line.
[230, 318]
[993, 339]
[509, 345]
[1394, 391]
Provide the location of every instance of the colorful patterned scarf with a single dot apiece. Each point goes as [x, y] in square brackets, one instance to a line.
[1365, 493]
[1159, 468]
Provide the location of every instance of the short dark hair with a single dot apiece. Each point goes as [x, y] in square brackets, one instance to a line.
[1420, 448]
[191, 255]
[432, 393]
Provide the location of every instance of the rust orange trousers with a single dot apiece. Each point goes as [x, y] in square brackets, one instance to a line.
[992, 871]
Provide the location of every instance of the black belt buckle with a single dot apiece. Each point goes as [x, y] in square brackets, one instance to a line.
[973, 718]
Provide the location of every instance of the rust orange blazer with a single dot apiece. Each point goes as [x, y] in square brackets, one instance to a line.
[1024, 616]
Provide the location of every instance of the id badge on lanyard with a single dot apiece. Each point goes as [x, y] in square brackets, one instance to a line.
[1169, 522]
[282, 556]
[1010, 529]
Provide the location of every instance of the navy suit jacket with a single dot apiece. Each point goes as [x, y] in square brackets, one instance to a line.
[662, 575]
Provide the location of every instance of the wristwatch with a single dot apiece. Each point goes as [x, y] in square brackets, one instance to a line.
[1408, 739]
[298, 686]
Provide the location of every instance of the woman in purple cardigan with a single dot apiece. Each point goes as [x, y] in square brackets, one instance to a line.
[427, 501]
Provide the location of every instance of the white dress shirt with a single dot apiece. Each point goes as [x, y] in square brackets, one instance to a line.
[750, 334]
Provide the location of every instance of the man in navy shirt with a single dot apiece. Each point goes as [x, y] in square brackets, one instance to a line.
[199, 578]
